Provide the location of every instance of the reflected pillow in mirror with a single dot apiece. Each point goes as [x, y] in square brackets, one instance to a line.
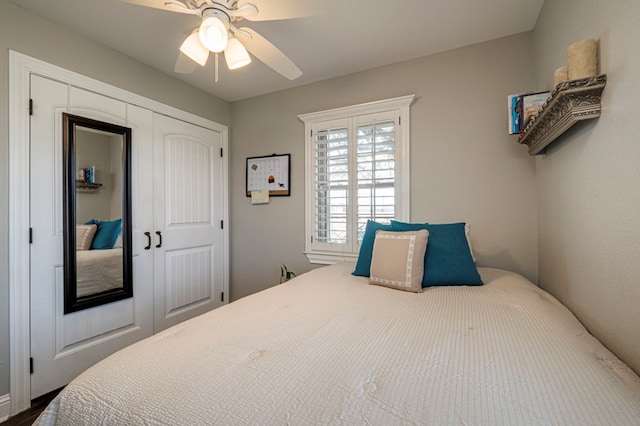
[118, 243]
[107, 233]
[84, 236]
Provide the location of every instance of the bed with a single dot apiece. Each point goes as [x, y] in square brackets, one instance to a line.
[98, 270]
[329, 348]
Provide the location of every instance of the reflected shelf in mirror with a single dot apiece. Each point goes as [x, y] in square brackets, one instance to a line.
[87, 187]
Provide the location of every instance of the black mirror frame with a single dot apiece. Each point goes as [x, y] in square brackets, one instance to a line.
[73, 303]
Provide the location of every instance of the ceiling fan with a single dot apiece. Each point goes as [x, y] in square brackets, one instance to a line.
[219, 32]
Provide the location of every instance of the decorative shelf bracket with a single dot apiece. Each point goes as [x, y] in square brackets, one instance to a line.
[570, 102]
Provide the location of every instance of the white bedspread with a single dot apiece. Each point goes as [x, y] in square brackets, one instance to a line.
[98, 271]
[327, 348]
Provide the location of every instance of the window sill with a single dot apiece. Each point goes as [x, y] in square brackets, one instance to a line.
[328, 258]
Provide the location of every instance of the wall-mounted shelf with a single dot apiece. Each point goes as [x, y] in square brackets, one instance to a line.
[87, 187]
[570, 102]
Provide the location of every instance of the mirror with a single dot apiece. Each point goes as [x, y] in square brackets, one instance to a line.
[97, 213]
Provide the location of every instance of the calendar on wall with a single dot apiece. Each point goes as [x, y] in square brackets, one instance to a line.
[271, 173]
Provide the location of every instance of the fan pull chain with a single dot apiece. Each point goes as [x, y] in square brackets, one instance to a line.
[216, 67]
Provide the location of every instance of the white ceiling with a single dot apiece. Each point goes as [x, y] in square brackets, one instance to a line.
[357, 35]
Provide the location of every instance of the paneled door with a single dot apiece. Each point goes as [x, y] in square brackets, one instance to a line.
[62, 346]
[189, 254]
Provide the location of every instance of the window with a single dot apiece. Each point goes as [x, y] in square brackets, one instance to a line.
[357, 168]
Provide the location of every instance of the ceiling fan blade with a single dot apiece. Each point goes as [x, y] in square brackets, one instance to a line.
[262, 49]
[245, 11]
[184, 64]
[269, 10]
[169, 5]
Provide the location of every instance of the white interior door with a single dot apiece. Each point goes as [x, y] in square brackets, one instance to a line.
[62, 346]
[188, 206]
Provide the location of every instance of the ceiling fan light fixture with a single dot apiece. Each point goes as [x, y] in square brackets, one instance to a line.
[236, 55]
[193, 48]
[213, 31]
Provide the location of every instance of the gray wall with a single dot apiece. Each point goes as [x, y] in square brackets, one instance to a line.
[464, 166]
[26, 33]
[588, 196]
[95, 149]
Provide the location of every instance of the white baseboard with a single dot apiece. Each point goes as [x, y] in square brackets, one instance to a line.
[5, 407]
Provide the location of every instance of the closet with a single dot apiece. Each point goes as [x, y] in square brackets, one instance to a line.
[179, 238]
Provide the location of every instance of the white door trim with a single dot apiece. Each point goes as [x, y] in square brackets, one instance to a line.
[20, 69]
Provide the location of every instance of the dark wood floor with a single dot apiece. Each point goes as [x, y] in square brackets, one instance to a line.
[26, 418]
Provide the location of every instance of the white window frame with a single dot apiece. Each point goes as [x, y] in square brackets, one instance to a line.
[324, 253]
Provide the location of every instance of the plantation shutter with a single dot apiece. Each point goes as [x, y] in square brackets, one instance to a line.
[331, 194]
[354, 166]
[357, 169]
[376, 169]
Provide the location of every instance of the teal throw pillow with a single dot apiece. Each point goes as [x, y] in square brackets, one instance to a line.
[363, 265]
[106, 234]
[448, 259]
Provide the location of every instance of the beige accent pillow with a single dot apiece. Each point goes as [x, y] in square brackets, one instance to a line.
[84, 236]
[398, 259]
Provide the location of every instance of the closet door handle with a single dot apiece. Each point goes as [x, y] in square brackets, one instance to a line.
[148, 234]
[159, 234]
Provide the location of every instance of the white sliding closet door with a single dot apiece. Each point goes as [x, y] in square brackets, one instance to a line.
[62, 346]
[188, 212]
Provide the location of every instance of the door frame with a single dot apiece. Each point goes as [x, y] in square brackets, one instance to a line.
[21, 67]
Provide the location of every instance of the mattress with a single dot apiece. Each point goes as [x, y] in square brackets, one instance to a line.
[98, 271]
[328, 348]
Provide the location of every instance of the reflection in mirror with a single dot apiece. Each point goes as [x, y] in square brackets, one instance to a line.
[97, 210]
